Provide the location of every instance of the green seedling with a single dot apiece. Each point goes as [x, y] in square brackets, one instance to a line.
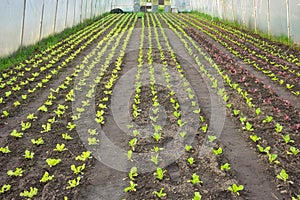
[37, 142]
[5, 188]
[157, 149]
[132, 143]
[5, 113]
[195, 179]
[182, 134]
[236, 189]
[191, 160]
[5, 150]
[133, 173]
[160, 173]
[197, 196]
[131, 187]
[268, 119]
[16, 134]
[160, 194]
[28, 154]
[254, 138]
[66, 136]
[93, 141]
[157, 136]
[180, 123]
[78, 170]
[236, 112]
[225, 167]
[129, 155]
[177, 114]
[283, 175]
[84, 156]
[53, 162]
[293, 151]
[46, 177]
[272, 157]
[73, 183]
[218, 151]
[211, 138]
[31, 116]
[248, 127]
[287, 139]
[188, 147]
[263, 150]
[17, 172]
[154, 159]
[204, 128]
[29, 194]
[60, 147]
[258, 111]
[278, 128]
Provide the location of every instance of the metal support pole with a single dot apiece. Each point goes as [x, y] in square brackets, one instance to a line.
[232, 5]
[91, 9]
[54, 25]
[23, 24]
[269, 19]
[80, 11]
[288, 18]
[41, 22]
[73, 23]
[86, 9]
[255, 17]
[66, 18]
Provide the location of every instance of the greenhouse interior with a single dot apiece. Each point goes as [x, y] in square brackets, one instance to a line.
[150, 99]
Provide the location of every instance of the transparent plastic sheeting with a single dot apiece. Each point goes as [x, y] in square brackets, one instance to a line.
[24, 22]
[276, 17]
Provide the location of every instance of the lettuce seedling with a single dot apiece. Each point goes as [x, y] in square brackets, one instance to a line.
[226, 167]
[236, 188]
[5, 188]
[84, 156]
[131, 187]
[283, 175]
[160, 173]
[268, 119]
[29, 194]
[287, 139]
[25, 126]
[5, 150]
[157, 136]
[129, 155]
[133, 173]
[17, 172]
[66, 136]
[16, 134]
[93, 141]
[38, 142]
[254, 138]
[60, 147]
[132, 143]
[31, 116]
[46, 177]
[73, 183]
[263, 150]
[211, 138]
[188, 147]
[160, 194]
[272, 157]
[197, 196]
[182, 134]
[154, 159]
[195, 179]
[278, 128]
[78, 170]
[53, 162]
[191, 160]
[218, 151]
[28, 154]
[5, 113]
[293, 151]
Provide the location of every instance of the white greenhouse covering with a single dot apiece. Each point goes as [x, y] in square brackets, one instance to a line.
[25, 22]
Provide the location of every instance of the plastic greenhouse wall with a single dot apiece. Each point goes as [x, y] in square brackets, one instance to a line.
[25, 22]
[275, 17]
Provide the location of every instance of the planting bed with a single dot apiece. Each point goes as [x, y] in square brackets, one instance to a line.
[160, 107]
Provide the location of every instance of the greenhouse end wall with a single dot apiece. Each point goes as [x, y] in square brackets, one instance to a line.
[275, 17]
[25, 22]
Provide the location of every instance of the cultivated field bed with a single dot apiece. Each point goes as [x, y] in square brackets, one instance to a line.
[164, 106]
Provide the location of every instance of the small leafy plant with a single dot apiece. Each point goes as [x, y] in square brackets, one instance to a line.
[38, 141]
[254, 138]
[60, 147]
[234, 188]
[5, 150]
[53, 162]
[28, 154]
[29, 194]
[133, 173]
[225, 167]
[160, 173]
[197, 196]
[188, 147]
[160, 194]
[212, 138]
[16, 134]
[191, 160]
[73, 183]
[131, 187]
[154, 159]
[218, 151]
[17, 172]
[195, 179]
[283, 175]
[84, 156]
[5, 188]
[78, 170]
[293, 151]
[46, 177]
